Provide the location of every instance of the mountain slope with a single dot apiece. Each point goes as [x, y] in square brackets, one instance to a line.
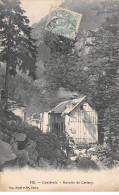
[90, 20]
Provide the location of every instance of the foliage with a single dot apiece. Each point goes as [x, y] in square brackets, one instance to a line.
[86, 164]
[48, 145]
[91, 69]
[107, 158]
[33, 95]
[60, 66]
[18, 47]
[18, 50]
[103, 65]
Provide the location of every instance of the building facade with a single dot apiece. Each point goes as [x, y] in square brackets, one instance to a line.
[77, 118]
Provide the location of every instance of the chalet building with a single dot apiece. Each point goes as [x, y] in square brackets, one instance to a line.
[77, 118]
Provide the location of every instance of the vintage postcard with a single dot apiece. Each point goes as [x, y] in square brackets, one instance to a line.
[59, 95]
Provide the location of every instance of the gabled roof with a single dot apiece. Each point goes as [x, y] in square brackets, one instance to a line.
[67, 106]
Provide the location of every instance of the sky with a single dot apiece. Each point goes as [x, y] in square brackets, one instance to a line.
[37, 9]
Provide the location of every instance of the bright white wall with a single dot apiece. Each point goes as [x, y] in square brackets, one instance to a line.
[83, 124]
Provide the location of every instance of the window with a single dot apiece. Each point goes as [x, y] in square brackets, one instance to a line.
[58, 128]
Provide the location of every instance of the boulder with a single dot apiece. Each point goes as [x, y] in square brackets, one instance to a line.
[31, 163]
[2, 135]
[14, 146]
[31, 145]
[19, 136]
[53, 163]
[86, 164]
[32, 160]
[42, 162]
[10, 164]
[22, 157]
[6, 153]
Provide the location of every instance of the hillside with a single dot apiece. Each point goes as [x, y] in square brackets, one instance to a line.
[38, 96]
[90, 21]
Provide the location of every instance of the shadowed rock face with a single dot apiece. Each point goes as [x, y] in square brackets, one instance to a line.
[6, 154]
[90, 20]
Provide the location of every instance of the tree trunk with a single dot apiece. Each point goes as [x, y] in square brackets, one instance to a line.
[6, 85]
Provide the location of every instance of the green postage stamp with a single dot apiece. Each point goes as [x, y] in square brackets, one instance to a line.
[63, 22]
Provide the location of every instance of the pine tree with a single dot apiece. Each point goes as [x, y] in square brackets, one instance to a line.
[104, 66]
[61, 67]
[18, 50]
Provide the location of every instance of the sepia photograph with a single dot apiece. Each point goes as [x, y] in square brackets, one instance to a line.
[59, 95]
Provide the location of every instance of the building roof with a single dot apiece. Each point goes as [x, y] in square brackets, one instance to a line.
[67, 106]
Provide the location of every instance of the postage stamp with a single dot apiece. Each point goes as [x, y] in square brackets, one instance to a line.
[63, 22]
